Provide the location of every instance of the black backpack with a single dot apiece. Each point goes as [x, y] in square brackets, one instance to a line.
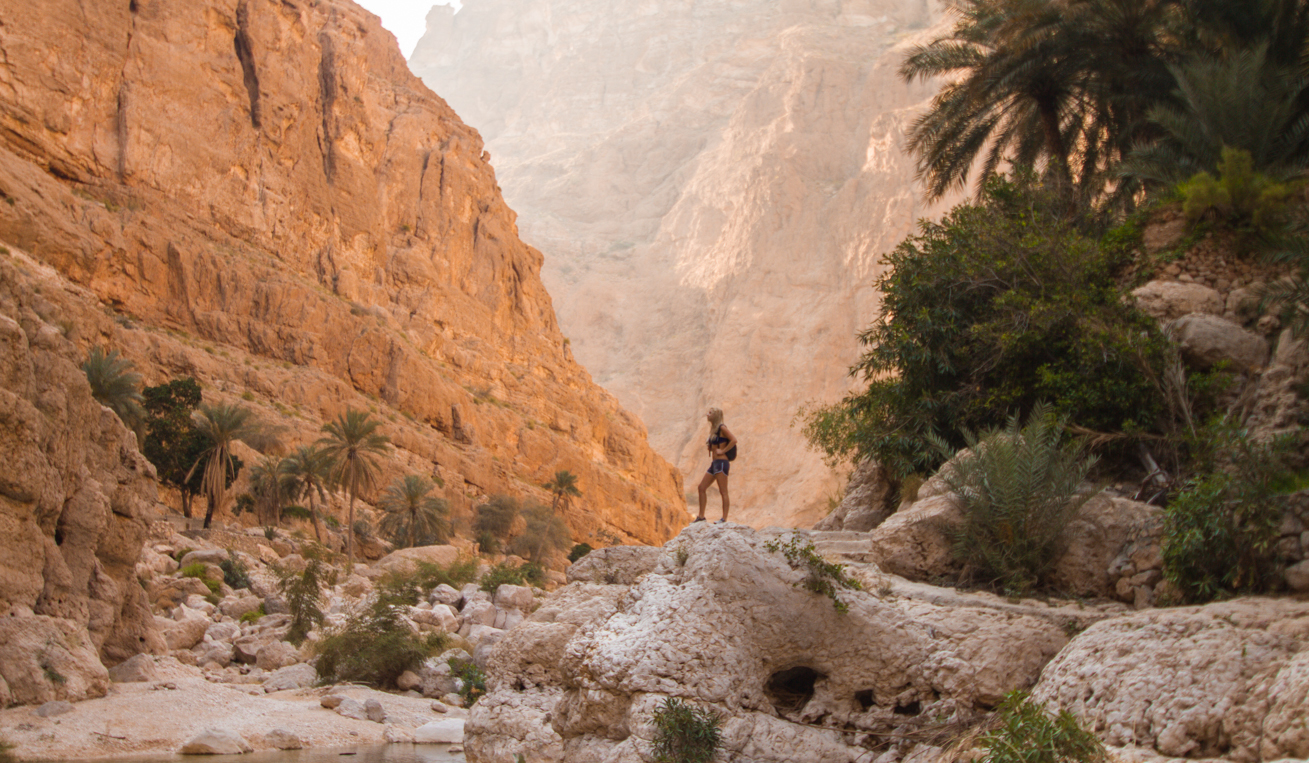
[731, 452]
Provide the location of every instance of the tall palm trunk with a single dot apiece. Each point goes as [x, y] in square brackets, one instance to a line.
[313, 514]
[350, 534]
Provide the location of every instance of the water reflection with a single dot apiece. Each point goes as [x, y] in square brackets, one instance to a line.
[387, 753]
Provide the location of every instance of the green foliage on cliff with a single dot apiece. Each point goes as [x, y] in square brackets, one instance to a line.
[821, 576]
[1006, 302]
[374, 647]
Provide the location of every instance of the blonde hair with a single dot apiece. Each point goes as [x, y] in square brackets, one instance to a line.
[715, 418]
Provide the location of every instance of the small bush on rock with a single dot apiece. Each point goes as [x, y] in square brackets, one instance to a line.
[824, 577]
[1023, 732]
[1017, 489]
[472, 680]
[193, 570]
[235, 574]
[507, 574]
[579, 551]
[374, 647]
[1221, 530]
[685, 733]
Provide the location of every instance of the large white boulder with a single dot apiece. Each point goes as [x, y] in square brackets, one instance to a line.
[1166, 300]
[216, 742]
[444, 731]
[1207, 340]
[405, 561]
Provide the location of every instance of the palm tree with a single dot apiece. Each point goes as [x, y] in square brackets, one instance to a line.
[221, 426]
[353, 445]
[309, 471]
[1063, 82]
[1244, 101]
[271, 488]
[115, 383]
[412, 512]
[564, 485]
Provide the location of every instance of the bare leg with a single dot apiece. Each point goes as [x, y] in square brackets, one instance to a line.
[704, 486]
[722, 488]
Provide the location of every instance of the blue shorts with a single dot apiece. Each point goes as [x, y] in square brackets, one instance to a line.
[720, 466]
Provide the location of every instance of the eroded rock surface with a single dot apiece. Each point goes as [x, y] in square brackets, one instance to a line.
[729, 625]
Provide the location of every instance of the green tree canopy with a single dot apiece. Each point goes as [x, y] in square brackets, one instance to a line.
[308, 471]
[413, 514]
[355, 447]
[115, 383]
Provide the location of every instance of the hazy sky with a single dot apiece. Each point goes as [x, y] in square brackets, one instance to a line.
[406, 19]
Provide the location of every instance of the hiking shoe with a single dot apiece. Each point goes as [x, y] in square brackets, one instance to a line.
[697, 519]
[721, 522]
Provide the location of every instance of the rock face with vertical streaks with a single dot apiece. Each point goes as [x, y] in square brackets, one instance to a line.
[266, 199]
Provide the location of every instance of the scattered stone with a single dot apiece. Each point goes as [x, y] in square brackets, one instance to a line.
[514, 597]
[216, 742]
[331, 701]
[448, 595]
[352, 708]
[300, 676]
[1297, 577]
[444, 731]
[1208, 339]
[278, 654]
[437, 707]
[616, 565]
[408, 680]
[283, 739]
[137, 669]
[374, 710]
[51, 709]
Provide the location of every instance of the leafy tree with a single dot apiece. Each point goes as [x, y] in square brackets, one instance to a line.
[220, 426]
[303, 592]
[115, 383]
[309, 472]
[579, 551]
[172, 442]
[1002, 304]
[413, 514]
[354, 445]
[563, 486]
[496, 517]
[374, 647]
[545, 532]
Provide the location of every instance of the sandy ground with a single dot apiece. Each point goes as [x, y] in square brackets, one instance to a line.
[157, 718]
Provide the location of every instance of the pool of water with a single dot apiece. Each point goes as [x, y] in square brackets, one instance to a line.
[387, 753]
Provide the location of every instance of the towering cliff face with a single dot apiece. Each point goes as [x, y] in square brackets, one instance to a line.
[714, 184]
[269, 201]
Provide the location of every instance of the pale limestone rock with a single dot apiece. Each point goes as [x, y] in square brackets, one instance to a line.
[867, 501]
[444, 731]
[283, 739]
[374, 710]
[1208, 339]
[616, 565]
[53, 708]
[671, 161]
[516, 597]
[1297, 576]
[185, 632]
[216, 742]
[236, 606]
[276, 655]
[299, 676]
[733, 628]
[478, 613]
[915, 541]
[445, 594]
[1105, 528]
[138, 669]
[1167, 300]
[1190, 682]
[408, 680]
[351, 708]
[405, 561]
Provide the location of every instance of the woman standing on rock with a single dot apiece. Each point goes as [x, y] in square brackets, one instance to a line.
[722, 449]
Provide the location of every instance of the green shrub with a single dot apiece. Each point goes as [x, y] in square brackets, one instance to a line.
[304, 595]
[244, 503]
[270, 532]
[487, 543]
[1017, 490]
[823, 577]
[579, 551]
[6, 748]
[1023, 732]
[374, 647]
[472, 680]
[1003, 304]
[296, 512]
[194, 570]
[685, 733]
[1238, 197]
[545, 533]
[508, 574]
[253, 615]
[235, 574]
[1220, 531]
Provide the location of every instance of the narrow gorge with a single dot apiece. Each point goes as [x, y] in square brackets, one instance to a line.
[714, 186]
